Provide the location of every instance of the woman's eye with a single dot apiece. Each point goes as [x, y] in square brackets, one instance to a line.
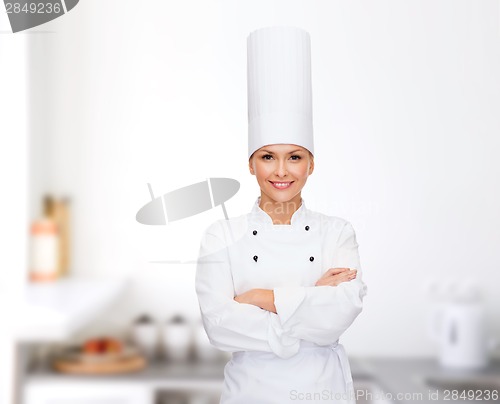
[298, 157]
[265, 156]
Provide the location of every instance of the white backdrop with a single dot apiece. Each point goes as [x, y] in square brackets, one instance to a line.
[14, 177]
[406, 117]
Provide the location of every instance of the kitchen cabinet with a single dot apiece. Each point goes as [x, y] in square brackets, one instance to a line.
[159, 383]
[68, 392]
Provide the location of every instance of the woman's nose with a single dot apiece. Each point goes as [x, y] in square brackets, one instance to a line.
[281, 170]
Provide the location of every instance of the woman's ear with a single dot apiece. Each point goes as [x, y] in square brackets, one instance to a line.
[311, 166]
[250, 166]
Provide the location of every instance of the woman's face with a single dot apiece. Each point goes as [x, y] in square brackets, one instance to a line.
[281, 170]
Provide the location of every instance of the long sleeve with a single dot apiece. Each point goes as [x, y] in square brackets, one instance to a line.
[321, 314]
[232, 326]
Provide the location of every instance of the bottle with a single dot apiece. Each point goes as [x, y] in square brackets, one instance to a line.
[58, 211]
[145, 335]
[177, 338]
[44, 249]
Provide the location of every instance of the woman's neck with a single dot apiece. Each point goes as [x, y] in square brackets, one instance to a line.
[280, 212]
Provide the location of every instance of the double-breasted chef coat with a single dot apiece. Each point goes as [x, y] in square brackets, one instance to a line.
[292, 355]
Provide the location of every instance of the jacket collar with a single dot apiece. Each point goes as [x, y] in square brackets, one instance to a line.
[260, 216]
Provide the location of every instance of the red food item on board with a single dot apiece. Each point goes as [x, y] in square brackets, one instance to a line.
[103, 345]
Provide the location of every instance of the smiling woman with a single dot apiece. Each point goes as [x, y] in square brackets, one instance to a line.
[281, 295]
[281, 171]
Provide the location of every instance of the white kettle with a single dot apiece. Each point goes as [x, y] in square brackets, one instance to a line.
[458, 326]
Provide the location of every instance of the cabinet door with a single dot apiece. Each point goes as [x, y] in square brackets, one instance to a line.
[86, 393]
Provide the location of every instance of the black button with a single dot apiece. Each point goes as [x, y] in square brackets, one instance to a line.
[307, 228]
[311, 259]
[255, 232]
[255, 258]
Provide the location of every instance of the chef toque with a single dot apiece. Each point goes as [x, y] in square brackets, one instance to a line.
[279, 88]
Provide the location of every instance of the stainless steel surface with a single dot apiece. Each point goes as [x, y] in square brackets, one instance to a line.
[478, 388]
[423, 380]
[376, 380]
[464, 383]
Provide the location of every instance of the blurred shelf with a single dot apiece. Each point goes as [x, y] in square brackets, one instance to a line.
[54, 311]
[158, 375]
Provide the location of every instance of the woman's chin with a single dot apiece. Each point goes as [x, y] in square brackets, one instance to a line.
[280, 195]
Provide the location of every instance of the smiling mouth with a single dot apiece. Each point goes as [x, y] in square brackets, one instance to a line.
[281, 185]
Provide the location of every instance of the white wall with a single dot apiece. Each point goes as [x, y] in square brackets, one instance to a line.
[406, 100]
[14, 146]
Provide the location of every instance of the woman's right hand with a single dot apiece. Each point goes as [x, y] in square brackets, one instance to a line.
[335, 276]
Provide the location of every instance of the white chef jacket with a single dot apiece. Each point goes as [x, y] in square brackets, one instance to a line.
[292, 355]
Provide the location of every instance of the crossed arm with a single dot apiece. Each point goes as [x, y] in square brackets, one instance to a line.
[264, 298]
[319, 313]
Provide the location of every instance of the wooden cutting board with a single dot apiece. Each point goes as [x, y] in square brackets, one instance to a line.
[128, 364]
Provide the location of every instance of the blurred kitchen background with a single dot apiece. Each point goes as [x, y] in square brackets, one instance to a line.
[115, 95]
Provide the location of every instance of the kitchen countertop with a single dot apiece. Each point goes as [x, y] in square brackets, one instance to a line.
[405, 379]
[402, 380]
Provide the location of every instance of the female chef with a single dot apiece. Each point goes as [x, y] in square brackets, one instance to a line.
[278, 286]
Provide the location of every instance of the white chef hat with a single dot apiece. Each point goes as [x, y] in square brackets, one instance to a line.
[279, 88]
